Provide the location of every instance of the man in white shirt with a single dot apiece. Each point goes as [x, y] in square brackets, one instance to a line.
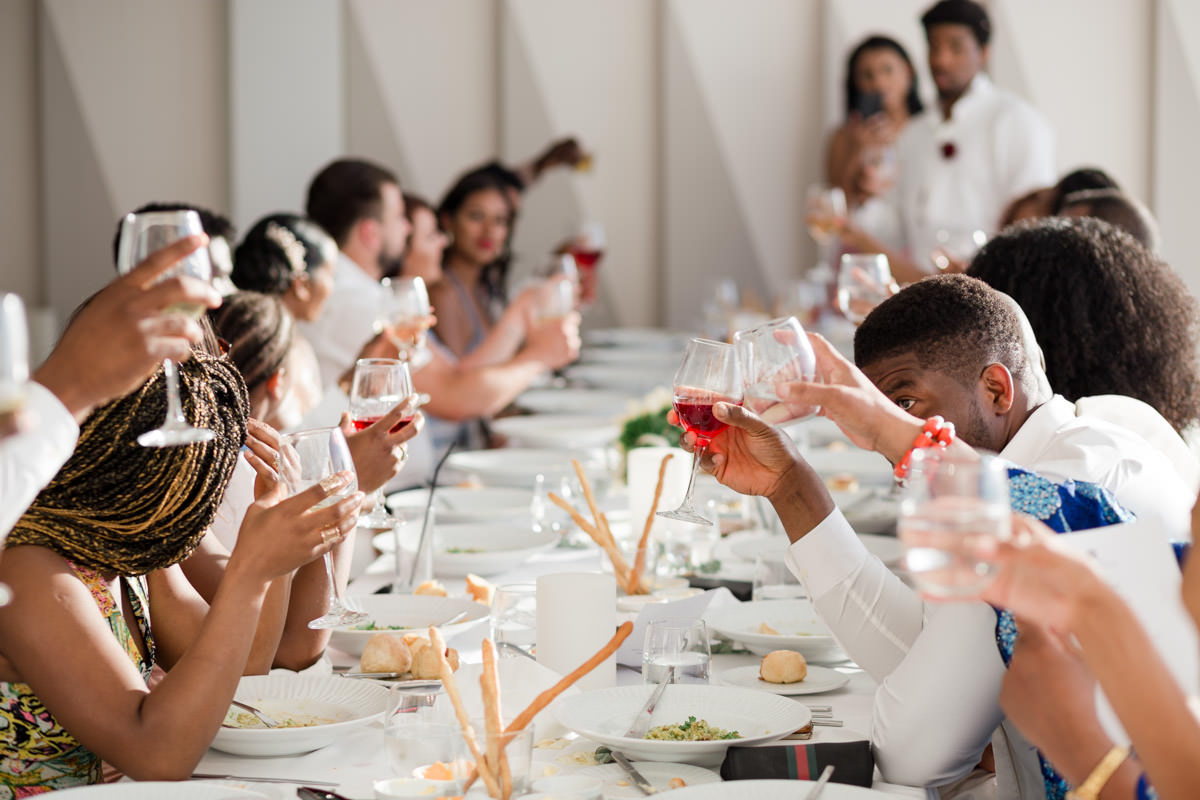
[949, 346]
[966, 157]
[117, 339]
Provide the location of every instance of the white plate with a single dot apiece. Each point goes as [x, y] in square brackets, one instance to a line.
[604, 715]
[617, 783]
[774, 548]
[460, 504]
[798, 624]
[631, 377]
[156, 790]
[818, 680]
[558, 430]
[517, 467]
[415, 612]
[500, 548]
[777, 790]
[636, 338]
[352, 703]
[592, 402]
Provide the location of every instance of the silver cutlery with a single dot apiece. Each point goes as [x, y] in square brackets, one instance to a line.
[641, 724]
[262, 717]
[820, 708]
[516, 650]
[638, 779]
[828, 723]
[206, 776]
[815, 792]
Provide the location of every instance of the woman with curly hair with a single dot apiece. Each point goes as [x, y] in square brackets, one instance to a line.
[1112, 319]
[99, 597]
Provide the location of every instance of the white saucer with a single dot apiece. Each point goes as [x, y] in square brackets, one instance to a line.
[818, 680]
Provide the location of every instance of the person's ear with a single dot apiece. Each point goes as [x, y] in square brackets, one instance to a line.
[369, 231]
[998, 388]
[301, 287]
[984, 52]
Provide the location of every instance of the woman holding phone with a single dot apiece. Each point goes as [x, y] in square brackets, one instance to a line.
[881, 96]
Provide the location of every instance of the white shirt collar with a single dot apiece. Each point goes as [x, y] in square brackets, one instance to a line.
[977, 95]
[1031, 440]
[350, 275]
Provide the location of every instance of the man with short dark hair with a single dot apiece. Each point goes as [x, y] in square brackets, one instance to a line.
[360, 205]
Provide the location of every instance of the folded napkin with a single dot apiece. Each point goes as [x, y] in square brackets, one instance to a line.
[852, 762]
[630, 653]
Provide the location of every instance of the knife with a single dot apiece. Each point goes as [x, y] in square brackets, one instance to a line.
[641, 723]
[204, 776]
[639, 780]
[815, 792]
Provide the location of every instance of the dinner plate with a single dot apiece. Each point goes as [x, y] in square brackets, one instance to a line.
[460, 550]
[818, 680]
[591, 402]
[156, 790]
[348, 703]
[558, 430]
[636, 338]
[777, 790]
[517, 467]
[630, 377]
[408, 612]
[463, 504]
[799, 627]
[774, 548]
[617, 783]
[605, 714]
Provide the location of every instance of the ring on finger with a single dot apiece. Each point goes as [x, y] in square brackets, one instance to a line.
[330, 534]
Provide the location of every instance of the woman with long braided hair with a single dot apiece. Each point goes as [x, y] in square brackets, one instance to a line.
[99, 597]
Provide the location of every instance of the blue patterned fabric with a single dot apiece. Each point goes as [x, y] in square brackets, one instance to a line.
[1144, 790]
[1063, 507]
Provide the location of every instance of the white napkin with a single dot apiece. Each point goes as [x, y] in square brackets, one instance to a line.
[694, 607]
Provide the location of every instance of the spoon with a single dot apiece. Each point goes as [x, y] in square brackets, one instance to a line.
[262, 717]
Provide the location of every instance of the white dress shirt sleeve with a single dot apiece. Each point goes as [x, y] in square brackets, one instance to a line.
[1027, 154]
[29, 460]
[938, 667]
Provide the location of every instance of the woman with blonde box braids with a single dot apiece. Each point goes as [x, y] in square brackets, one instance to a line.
[99, 597]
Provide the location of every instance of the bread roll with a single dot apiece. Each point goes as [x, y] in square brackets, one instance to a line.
[842, 482]
[386, 653]
[783, 666]
[431, 588]
[480, 590]
[426, 665]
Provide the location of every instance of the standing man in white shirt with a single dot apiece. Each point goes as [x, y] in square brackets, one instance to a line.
[966, 157]
[117, 339]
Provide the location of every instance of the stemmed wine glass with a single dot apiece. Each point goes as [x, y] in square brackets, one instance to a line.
[406, 306]
[773, 354]
[953, 512]
[14, 375]
[306, 458]
[379, 385]
[863, 282]
[826, 212]
[141, 235]
[709, 374]
[587, 248]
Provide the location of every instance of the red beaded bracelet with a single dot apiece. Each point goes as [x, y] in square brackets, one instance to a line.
[936, 431]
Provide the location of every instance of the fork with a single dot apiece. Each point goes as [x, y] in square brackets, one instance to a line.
[262, 717]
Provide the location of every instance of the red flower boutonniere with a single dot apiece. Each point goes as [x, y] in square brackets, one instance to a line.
[948, 150]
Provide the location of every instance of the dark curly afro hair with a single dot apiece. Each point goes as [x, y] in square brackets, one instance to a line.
[1110, 316]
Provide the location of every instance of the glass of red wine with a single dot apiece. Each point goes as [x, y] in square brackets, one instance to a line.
[771, 355]
[379, 385]
[707, 375]
[587, 248]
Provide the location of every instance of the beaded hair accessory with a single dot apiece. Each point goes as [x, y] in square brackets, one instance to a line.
[292, 247]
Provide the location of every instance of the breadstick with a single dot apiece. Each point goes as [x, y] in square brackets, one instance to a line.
[609, 547]
[447, 675]
[547, 697]
[497, 753]
[621, 567]
[639, 561]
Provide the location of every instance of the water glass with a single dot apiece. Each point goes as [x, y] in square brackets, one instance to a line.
[774, 581]
[864, 282]
[676, 650]
[826, 212]
[954, 511]
[771, 356]
[513, 619]
[518, 747]
[420, 731]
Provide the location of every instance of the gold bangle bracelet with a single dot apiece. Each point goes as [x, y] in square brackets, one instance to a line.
[1096, 780]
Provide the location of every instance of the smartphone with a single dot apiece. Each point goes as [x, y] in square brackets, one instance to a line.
[868, 104]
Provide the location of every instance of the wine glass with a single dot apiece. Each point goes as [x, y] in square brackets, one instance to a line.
[953, 512]
[406, 305]
[141, 235]
[864, 282]
[587, 248]
[956, 247]
[556, 299]
[826, 212]
[770, 355]
[676, 650]
[378, 386]
[709, 374]
[14, 354]
[306, 458]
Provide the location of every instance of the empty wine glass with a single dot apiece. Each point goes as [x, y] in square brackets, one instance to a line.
[141, 235]
[769, 356]
[953, 512]
[378, 386]
[825, 212]
[306, 458]
[14, 353]
[709, 374]
[556, 299]
[864, 281]
[406, 307]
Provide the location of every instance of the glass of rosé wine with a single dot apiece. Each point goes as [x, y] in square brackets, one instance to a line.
[379, 385]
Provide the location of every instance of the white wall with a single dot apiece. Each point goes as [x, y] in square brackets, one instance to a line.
[19, 218]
